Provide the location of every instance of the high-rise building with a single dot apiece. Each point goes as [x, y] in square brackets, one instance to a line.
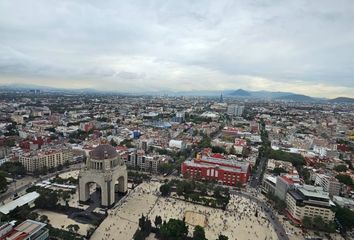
[235, 110]
[329, 184]
[309, 201]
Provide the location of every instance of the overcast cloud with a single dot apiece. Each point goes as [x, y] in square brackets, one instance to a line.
[301, 46]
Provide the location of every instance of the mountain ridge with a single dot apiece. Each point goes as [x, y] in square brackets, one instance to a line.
[238, 93]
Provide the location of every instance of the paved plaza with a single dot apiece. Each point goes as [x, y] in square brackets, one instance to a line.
[237, 222]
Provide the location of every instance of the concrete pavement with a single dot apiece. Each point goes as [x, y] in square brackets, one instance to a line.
[278, 227]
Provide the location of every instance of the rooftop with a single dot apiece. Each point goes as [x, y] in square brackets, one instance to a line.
[103, 151]
[24, 230]
[207, 165]
[313, 191]
[25, 199]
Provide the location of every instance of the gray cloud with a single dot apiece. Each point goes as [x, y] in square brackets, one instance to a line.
[181, 45]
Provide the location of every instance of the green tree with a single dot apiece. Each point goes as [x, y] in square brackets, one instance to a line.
[13, 168]
[217, 149]
[205, 143]
[113, 143]
[47, 200]
[340, 168]
[345, 216]
[199, 233]
[74, 228]
[222, 237]
[142, 221]
[174, 229]
[158, 221]
[3, 184]
[139, 235]
[44, 219]
[307, 222]
[165, 190]
[347, 180]
[318, 222]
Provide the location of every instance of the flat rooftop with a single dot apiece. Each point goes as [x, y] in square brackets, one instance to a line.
[24, 230]
[208, 165]
[25, 199]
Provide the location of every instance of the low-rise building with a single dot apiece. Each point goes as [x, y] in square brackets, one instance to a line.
[177, 144]
[27, 230]
[225, 171]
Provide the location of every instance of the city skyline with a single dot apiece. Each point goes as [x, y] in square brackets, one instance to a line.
[299, 47]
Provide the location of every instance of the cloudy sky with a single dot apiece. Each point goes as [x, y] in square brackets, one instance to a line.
[301, 46]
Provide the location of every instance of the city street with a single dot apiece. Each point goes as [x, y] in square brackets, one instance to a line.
[279, 229]
[28, 181]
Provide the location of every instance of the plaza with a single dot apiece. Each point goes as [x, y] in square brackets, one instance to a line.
[237, 222]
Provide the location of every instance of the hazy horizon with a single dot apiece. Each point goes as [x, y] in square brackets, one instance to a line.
[304, 47]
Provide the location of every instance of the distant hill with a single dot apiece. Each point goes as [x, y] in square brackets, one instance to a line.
[342, 100]
[296, 98]
[240, 93]
[255, 94]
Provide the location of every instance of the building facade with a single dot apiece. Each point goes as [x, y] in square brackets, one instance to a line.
[309, 201]
[136, 159]
[329, 184]
[235, 110]
[49, 158]
[108, 171]
[224, 171]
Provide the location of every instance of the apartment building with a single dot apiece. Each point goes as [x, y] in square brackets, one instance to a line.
[235, 110]
[329, 184]
[138, 159]
[309, 201]
[49, 158]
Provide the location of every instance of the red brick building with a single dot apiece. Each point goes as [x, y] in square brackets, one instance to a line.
[225, 171]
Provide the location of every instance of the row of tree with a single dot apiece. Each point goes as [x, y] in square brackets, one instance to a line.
[199, 192]
[174, 229]
[317, 223]
[279, 204]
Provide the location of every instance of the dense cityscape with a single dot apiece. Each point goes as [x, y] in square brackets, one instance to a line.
[176, 120]
[103, 166]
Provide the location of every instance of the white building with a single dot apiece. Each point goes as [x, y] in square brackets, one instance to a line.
[309, 201]
[177, 144]
[328, 183]
[28, 199]
[235, 110]
[50, 158]
[144, 162]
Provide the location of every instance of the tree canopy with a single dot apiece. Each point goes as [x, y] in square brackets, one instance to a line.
[345, 179]
[174, 229]
[295, 158]
[345, 216]
[340, 168]
[13, 168]
[199, 233]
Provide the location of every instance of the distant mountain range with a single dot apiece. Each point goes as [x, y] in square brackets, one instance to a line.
[239, 93]
[342, 100]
